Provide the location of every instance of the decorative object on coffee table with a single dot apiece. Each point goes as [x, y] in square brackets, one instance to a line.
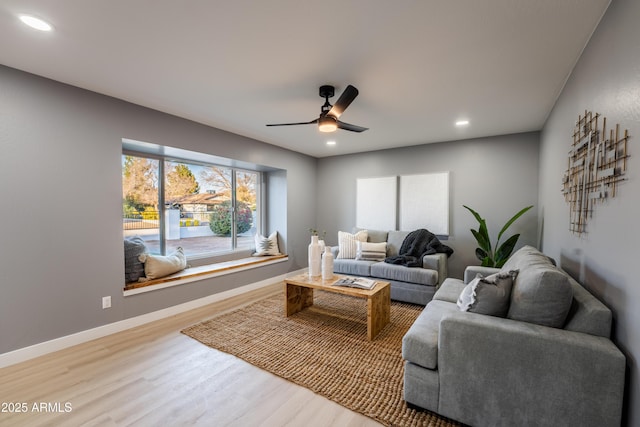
[314, 257]
[327, 264]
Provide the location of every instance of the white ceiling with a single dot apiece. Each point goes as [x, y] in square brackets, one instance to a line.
[419, 65]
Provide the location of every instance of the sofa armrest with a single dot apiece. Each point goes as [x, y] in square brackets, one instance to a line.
[471, 271]
[496, 371]
[437, 262]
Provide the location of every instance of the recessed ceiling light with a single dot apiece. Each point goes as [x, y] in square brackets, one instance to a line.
[331, 143]
[36, 23]
[462, 122]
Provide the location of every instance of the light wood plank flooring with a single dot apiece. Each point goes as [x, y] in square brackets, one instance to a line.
[153, 375]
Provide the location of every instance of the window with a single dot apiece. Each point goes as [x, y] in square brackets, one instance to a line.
[207, 209]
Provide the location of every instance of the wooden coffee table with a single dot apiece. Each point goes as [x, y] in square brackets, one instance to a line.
[298, 294]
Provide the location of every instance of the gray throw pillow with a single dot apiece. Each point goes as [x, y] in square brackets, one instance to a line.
[133, 268]
[541, 295]
[488, 295]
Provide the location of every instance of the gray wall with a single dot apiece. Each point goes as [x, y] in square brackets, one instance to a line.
[496, 176]
[60, 225]
[605, 80]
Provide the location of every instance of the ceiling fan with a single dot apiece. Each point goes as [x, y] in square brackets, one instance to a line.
[329, 114]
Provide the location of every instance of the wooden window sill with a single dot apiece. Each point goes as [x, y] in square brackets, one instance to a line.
[192, 274]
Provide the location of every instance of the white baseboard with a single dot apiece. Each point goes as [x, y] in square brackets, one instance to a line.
[36, 350]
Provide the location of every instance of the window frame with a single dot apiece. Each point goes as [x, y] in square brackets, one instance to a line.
[205, 257]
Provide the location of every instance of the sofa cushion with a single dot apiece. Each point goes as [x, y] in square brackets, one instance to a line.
[157, 266]
[266, 246]
[488, 295]
[420, 343]
[347, 243]
[527, 256]
[401, 273]
[541, 294]
[587, 314]
[133, 267]
[449, 290]
[394, 242]
[375, 236]
[367, 251]
[353, 267]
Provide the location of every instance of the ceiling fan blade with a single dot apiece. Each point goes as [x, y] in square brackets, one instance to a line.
[352, 128]
[343, 102]
[294, 124]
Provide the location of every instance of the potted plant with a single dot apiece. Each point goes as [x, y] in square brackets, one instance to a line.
[485, 252]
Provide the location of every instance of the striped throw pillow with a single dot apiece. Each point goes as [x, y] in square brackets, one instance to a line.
[367, 251]
[347, 248]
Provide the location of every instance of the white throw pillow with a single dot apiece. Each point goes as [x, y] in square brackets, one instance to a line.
[367, 251]
[157, 266]
[266, 246]
[347, 248]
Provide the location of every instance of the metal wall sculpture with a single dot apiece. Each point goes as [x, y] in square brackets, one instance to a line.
[597, 163]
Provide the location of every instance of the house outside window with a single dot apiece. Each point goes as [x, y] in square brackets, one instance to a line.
[207, 209]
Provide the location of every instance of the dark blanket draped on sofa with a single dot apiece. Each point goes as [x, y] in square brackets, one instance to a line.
[415, 246]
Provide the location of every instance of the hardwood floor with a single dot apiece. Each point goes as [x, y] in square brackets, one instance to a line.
[153, 375]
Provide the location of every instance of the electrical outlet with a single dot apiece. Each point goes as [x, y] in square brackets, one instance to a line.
[106, 302]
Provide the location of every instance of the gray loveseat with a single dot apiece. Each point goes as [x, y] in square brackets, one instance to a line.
[416, 285]
[484, 370]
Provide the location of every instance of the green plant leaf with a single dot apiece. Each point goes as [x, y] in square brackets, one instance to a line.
[481, 235]
[480, 254]
[511, 221]
[503, 253]
[487, 262]
[483, 242]
[482, 231]
[474, 213]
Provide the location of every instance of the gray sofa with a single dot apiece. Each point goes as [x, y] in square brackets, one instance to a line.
[485, 370]
[414, 285]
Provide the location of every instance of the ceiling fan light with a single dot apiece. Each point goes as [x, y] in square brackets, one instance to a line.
[327, 124]
[35, 23]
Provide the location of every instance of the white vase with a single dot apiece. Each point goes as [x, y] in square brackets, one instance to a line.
[314, 257]
[327, 264]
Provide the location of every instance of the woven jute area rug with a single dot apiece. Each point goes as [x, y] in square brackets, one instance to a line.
[325, 349]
